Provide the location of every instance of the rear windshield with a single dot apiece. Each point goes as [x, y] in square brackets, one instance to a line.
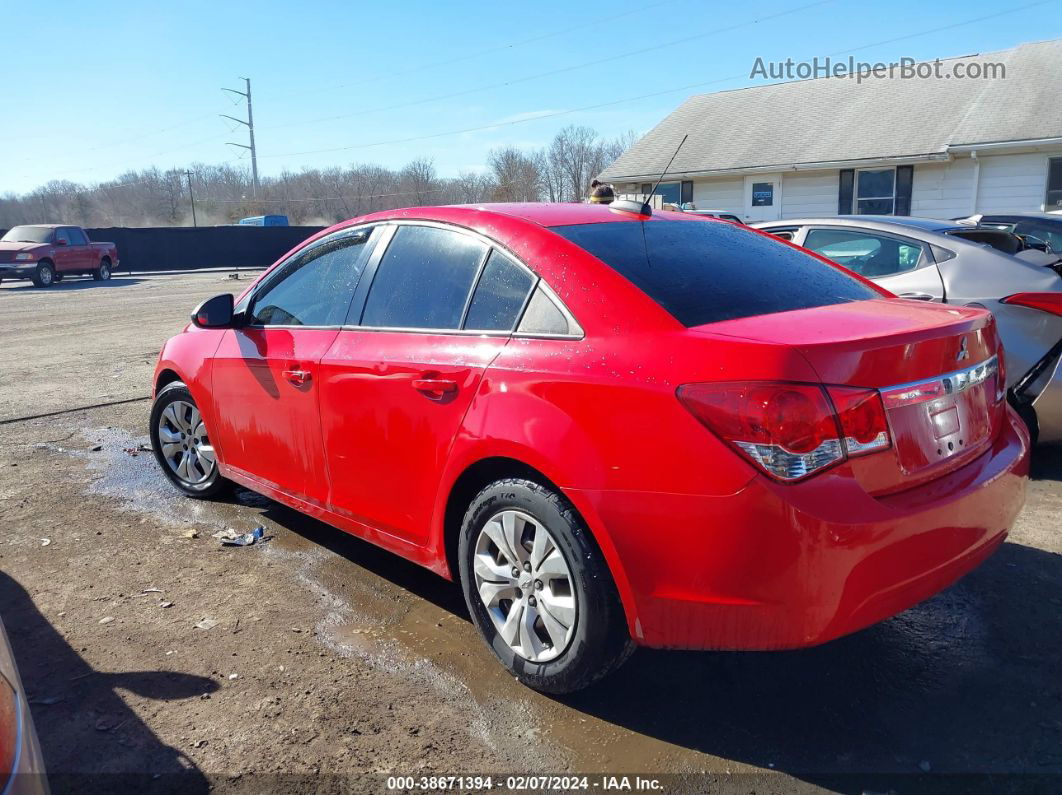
[707, 272]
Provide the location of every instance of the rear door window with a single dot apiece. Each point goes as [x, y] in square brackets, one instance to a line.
[500, 295]
[867, 253]
[703, 272]
[76, 237]
[423, 279]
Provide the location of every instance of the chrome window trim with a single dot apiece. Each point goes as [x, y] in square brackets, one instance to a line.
[954, 382]
[267, 278]
[536, 283]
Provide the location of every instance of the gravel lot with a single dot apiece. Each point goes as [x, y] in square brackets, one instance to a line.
[332, 664]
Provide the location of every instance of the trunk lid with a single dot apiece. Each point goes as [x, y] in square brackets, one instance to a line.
[933, 364]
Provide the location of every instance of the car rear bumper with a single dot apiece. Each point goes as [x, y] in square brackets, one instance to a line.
[783, 566]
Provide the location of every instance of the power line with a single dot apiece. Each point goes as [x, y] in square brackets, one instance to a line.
[552, 72]
[488, 51]
[596, 106]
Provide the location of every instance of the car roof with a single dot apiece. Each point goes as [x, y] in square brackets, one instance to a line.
[1057, 218]
[45, 226]
[544, 214]
[878, 221]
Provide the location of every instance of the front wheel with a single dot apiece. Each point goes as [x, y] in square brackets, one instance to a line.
[103, 272]
[44, 276]
[538, 588]
[182, 444]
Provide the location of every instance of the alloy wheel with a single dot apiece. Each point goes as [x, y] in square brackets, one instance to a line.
[185, 444]
[526, 585]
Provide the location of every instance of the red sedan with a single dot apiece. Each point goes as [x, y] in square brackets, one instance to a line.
[613, 429]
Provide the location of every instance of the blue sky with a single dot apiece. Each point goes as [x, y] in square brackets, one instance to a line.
[125, 85]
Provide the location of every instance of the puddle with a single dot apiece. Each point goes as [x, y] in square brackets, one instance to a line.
[377, 622]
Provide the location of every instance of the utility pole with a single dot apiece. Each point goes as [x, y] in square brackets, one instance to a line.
[191, 196]
[249, 124]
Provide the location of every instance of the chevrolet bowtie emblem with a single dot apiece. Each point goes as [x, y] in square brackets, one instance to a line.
[963, 352]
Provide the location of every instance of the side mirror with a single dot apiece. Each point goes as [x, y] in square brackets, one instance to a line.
[214, 312]
[60, 242]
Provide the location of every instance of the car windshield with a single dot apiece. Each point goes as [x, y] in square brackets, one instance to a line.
[704, 272]
[28, 234]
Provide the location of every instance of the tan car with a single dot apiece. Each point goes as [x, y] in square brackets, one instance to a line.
[21, 765]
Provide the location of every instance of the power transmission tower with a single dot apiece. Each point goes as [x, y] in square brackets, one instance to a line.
[249, 124]
[191, 196]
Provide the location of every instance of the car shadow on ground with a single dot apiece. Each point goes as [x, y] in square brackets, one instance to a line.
[967, 683]
[79, 714]
[70, 283]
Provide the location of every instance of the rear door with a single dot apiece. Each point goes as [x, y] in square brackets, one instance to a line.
[265, 380]
[83, 255]
[900, 264]
[397, 381]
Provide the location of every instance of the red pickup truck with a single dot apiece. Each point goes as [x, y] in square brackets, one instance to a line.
[46, 253]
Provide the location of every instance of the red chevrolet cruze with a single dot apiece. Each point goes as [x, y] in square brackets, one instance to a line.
[613, 428]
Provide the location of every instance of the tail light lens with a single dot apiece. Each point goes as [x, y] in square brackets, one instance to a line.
[1045, 302]
[790, 430]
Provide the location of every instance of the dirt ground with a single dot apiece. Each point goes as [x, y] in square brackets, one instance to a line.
[329, 664]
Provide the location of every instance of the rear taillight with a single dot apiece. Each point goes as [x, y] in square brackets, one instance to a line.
[1045, 302]
[790, 430]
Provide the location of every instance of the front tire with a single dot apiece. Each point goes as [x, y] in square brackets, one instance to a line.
[103, 272]
[181, 443]
[538, 588]
[44, 276]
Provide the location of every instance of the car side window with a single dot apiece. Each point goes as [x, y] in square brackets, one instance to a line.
[62, 234]
[1053, 237]
[545, 317]
[500, 295]
[868, 254]
[76, 237]
[316, 287]
[423, 279]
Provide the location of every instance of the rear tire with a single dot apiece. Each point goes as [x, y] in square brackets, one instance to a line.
[182, 445]
[567, 602]
[103, 272]
[44, 276]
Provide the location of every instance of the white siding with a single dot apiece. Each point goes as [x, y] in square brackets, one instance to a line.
[720, 194]
[943, 190]
[809, 195]
[1014, 183]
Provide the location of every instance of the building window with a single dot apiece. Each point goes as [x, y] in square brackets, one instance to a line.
[876, 191]
[1054, 185]
[762, 194]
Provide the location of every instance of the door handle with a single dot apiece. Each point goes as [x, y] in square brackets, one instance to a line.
[917, 296]
[297, 377]
[435, 387]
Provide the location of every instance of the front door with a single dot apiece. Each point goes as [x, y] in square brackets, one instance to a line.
[265, 381]
[395, 388]
[763, 198]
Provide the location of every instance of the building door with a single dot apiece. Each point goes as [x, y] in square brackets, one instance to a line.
[763, 198]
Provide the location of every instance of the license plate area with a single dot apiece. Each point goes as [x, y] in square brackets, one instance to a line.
[941, 419]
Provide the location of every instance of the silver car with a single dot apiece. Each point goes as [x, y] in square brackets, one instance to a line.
[956, 263]
[21, 766]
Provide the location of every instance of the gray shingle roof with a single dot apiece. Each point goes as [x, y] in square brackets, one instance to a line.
[837, 119]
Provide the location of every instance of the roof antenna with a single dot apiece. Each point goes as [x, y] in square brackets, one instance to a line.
[644, 207]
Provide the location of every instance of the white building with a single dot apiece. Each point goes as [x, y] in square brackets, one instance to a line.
[936, 147]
